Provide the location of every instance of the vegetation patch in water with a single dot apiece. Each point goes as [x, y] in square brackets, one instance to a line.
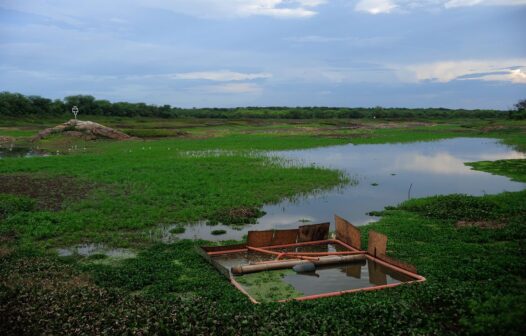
[268, 286]
[177, 230]
[514, 169]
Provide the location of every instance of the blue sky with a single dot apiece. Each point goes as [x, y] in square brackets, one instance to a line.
[391, 53]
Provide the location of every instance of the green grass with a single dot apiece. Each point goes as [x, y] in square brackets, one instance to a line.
[515, 169]
[17, 132]
[475, 277]
[144, 184]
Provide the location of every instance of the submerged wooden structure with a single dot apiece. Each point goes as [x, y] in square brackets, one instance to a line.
[272, 243]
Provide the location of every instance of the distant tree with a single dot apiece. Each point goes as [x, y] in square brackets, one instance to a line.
[85, 103]
[520, 110]
[521, 105]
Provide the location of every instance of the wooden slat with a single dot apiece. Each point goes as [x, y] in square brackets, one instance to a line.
[260, 238]
[282, 237]
[313, 232]
[347, 232]
[377, 244]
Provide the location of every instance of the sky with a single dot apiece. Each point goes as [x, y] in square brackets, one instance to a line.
[226, 53]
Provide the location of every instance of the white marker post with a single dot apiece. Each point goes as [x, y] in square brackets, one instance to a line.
[75, 111]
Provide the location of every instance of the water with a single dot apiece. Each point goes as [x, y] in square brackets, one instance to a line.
[86, 250]
[8, 151]
[326, 279]
[351, 276]
[416, 169]
[228, 260]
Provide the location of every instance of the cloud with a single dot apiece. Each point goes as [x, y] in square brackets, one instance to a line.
[509, 70]
[375, 6]
[467, 3]
[440, 163]
[516, 76]
[389, 6]
[231, 88]
[63, 10]
[220, 76]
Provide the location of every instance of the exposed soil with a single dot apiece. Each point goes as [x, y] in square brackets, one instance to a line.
[239, 215]
[480, 224]
[50, 192]
[87, 130]
[6, 140]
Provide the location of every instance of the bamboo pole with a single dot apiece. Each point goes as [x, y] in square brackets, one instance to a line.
[322, 261]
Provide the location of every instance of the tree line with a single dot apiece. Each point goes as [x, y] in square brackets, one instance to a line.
[17, 105]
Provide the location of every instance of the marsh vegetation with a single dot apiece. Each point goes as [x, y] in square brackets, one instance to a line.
[111, 194]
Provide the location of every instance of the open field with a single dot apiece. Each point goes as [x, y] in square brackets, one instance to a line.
[471, 249]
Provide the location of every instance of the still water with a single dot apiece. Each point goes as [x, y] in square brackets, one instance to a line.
[387, 174]
[361, 274]
[339, 278]
[8, 151]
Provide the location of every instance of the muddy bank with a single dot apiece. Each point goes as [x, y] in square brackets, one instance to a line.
[50, 193]
[6, 140]
[87, 130]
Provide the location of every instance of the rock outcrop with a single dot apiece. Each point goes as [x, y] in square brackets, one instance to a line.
[87, 130]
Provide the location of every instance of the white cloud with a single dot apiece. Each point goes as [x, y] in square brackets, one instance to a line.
[516, 76]
[389, 6]
[510, 70]
[238, 8]
[440, 163]
[467, 3]
[64, 11]
[232, 88]
[375, 6]
[220, 76]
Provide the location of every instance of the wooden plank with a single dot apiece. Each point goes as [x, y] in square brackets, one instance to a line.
[283, 237]
[223, 270]
[313, 232]
[260, 238]
[347, 232]
[377, 244]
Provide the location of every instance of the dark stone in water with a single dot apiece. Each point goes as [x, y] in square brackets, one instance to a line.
[304, 267]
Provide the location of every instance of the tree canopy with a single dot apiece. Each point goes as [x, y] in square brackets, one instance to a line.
[16, 104]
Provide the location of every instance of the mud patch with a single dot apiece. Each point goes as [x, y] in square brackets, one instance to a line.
[50, 193]
[6, 140]
[480, 224]
[239, 215]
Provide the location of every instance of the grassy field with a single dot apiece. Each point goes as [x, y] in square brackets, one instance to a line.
[471, 249]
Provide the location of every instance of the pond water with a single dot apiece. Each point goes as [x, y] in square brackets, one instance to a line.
[359, 274]
[387, 174]
[87, 250]
[8, 151]
[339, 278]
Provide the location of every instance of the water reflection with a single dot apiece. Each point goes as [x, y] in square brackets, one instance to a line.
[365, 273]
[87, 250]
[8, 151]
[426, 168]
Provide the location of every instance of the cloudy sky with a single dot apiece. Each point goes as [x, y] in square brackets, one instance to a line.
[392, 53]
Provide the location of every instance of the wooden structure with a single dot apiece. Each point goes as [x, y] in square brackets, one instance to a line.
[348, 237]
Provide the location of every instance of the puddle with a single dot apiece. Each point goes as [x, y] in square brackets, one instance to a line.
[387, 174]
[351, 276]
[8, 151]
[166, 233]
[232, 259]
[87, 250]
[286, 284]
